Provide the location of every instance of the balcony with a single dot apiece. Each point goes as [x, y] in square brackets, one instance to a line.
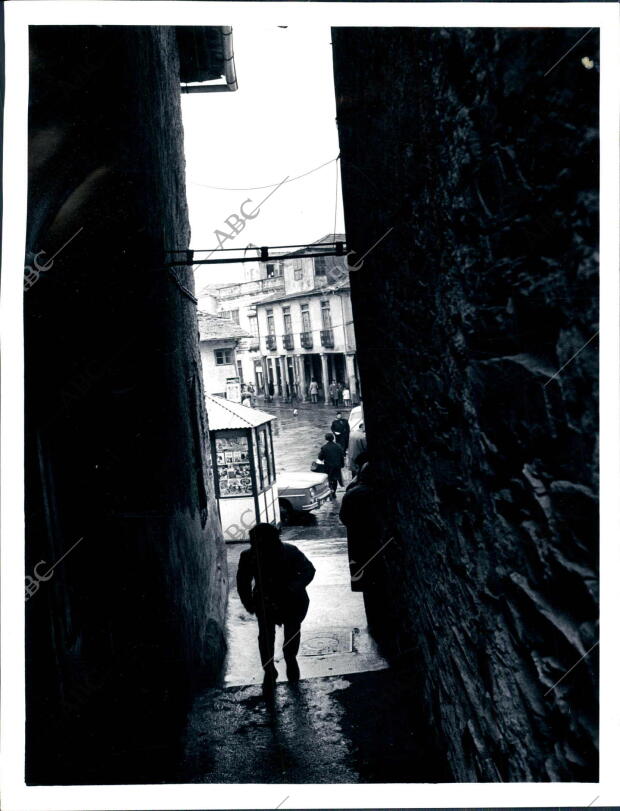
[288, 341]
[252, 288]
[327, 338]
[306, 340]
[270, 342]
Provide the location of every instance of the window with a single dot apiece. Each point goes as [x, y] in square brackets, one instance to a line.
[305, 319]
[253, 322]
[288, 324]
[271, 324]
[223, 357]
[274, 269]
[231, 315]
[298, 274]
[320, 266]
[326, 316]
[265, 457]
[240, 371]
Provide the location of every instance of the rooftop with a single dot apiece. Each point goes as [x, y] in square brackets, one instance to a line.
[308, 249]
[206, 54]
[216, 328]
[225, 414]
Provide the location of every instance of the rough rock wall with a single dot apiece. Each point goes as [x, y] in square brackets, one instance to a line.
[115, 419]
[487, 170]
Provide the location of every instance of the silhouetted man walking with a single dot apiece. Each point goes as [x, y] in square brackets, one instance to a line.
[340, 429]
[280, 573]
[332, 455]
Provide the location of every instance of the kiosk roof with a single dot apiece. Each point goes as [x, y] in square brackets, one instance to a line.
[224, 414]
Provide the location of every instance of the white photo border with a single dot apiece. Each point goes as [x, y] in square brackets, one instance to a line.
[19, 14]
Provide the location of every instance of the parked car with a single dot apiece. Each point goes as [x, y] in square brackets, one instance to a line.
[356, 416]
[301, 492]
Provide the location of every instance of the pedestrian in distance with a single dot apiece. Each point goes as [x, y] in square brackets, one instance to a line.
[340, 429]
[332, 392]
[332, 455]
[313, 390]
[252, 393]
[271, 582]
[357, 445]
[346, 396]
[246, 397]
[339, 390]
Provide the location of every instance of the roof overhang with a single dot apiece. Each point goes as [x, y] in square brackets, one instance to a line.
[207, 62]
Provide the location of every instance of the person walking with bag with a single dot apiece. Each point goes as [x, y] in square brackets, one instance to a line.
[333, 457]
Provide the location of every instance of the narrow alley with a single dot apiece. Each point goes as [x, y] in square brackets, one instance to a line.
[335, 637]
[343, 721]
[465, 180]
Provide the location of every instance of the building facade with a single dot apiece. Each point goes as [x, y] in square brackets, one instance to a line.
[219, 338]
[297, 313]
[237, 302]
[308, 335]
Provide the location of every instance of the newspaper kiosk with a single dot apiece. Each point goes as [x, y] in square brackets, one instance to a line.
[243, 466]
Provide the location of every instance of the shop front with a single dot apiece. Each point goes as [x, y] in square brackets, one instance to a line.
[243, 466]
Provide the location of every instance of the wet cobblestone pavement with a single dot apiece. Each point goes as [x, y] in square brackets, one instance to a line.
[360, 728]
[296, 443]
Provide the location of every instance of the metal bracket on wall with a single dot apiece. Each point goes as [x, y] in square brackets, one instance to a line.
[185, 290]
[188, 257]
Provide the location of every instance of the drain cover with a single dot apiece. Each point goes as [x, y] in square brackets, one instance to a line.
[324, 643]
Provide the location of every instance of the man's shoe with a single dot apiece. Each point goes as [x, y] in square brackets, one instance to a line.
[292, 671]
[269, 680]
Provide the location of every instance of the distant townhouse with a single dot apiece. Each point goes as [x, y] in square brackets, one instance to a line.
[306, 331]
[237, 302]
[296, 311]
[219, 339]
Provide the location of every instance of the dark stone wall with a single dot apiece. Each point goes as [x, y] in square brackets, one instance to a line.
[487, 171]
[131, 620]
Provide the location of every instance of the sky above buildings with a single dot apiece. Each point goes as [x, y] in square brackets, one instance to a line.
[280, 123]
